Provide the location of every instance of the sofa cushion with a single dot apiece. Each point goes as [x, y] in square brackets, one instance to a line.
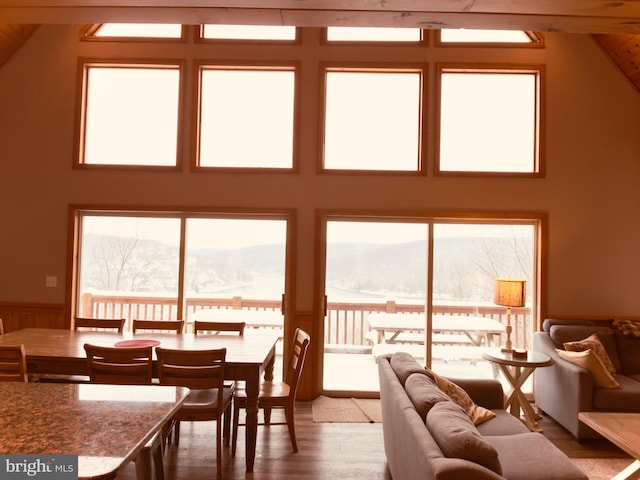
[502, 424]
[588, 360]
[628, 348]
[404, 365]
[457, 437]
[547, 323]
[624, 399]
[424, 393]
[593, 343]
[561, 334]
[532, 455]
[476, 413]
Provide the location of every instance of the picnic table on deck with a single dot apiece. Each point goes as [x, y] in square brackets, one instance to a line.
[452, 336]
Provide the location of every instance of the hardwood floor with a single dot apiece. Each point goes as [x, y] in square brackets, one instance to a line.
[596, 448]
[326, 451]
[352, 451]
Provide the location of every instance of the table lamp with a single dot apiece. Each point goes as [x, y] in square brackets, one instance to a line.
[509, 292]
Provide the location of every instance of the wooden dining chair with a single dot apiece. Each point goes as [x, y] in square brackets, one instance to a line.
[202, 371]
[84, 324]
[13, 364]
[277, 395]
[128, 366]
[1, 327]
[217, 328]
[114, 324]
[158, 325]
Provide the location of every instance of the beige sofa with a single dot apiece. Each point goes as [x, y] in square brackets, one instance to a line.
[429, 436]
[567, 388]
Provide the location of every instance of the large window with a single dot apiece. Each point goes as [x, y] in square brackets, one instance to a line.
[247, 117]
[372, 119]
[489, 120]
[130, 114]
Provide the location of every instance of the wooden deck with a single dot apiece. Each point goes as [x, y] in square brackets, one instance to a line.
[358, 372]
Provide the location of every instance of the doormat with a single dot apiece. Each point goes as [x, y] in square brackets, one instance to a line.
[346, 410]
[602, 468]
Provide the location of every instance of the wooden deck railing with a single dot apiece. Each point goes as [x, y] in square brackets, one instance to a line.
[345, 323]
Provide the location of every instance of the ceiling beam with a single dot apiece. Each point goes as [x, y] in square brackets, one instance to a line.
[574, 16]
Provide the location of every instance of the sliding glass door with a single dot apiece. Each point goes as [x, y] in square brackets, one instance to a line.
[424, 286]
[187, 266]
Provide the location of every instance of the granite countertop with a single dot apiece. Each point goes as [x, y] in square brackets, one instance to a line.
[106, 425]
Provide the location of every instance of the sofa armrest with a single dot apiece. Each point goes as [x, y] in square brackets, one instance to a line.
[563, 389]
[485, 392]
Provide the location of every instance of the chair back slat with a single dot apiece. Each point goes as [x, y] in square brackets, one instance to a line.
[297, 357]
[99, 324]
[13, 363]
[126, 365]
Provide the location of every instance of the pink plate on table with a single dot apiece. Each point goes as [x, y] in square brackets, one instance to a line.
[138, 342]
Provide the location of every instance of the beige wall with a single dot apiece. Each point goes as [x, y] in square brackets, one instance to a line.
[590, 192]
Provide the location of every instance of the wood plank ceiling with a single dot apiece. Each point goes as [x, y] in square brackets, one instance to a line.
[615, 25]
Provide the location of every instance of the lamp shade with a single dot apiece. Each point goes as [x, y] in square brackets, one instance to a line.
[510, 292]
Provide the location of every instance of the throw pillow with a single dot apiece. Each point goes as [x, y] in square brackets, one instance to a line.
[476, 413]
[457, 437]
[629, 328]
[587, 359]
[593, 343]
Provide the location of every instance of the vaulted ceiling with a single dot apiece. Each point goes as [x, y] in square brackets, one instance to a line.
[615, 24]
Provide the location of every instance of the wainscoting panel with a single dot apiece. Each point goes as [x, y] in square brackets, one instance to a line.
[16, 316]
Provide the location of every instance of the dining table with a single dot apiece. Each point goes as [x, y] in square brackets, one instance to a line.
[249, 358]
[100, 427]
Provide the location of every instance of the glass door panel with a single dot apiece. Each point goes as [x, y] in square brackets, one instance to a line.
[235, 271]
[372, 268]
[467, 258]
[128, 267]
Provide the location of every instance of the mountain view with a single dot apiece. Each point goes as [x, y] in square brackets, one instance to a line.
[464, 268]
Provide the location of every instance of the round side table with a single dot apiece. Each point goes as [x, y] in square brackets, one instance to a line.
[517, 370]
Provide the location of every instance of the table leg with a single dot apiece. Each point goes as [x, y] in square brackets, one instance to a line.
[143, 465]
[252, 389]
[515, 399]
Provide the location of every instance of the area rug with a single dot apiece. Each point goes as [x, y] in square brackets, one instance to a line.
[346, 410]
[602, 468]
